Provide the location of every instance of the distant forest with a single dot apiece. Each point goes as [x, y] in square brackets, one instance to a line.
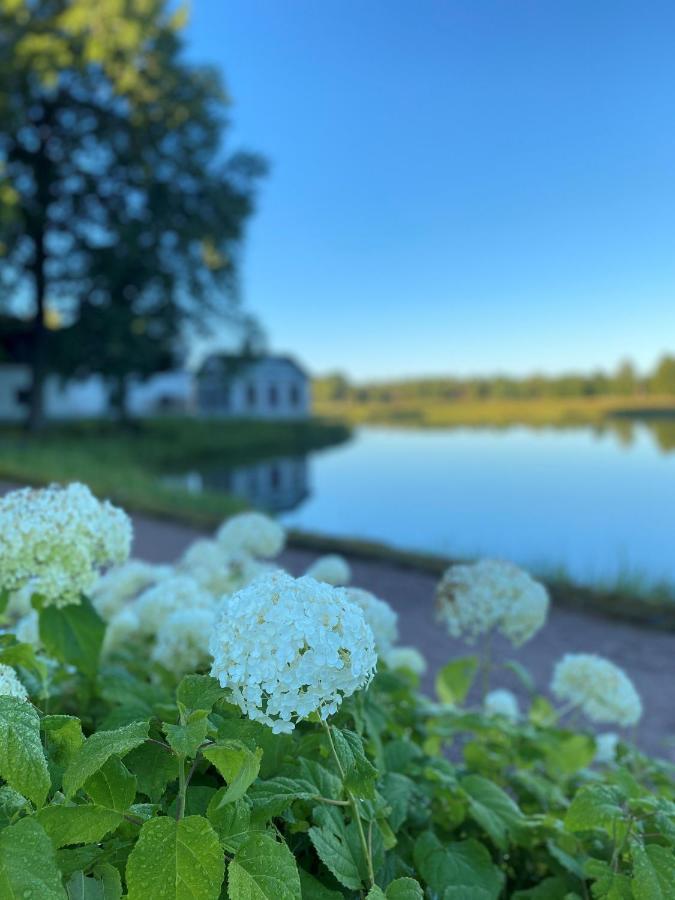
[623, 382]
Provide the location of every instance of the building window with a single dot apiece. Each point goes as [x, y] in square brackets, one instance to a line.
[251, 396]
[273, 395]
[295, 395]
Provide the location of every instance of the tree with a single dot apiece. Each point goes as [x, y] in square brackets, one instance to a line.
[119, 205]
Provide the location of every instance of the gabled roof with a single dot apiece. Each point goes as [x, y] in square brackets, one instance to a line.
[230, 364]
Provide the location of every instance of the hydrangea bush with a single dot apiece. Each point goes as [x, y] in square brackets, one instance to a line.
[163, 736]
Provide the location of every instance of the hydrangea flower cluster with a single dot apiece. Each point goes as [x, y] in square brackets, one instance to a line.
[10, 686]
[218, 571]
[474, 599]
[253, 533]
[183, 640]
[331, 569]
[599, 688]
[285, 648]
[121, 630]
[406, 658]
[173, 593]
[122, 583]
[380, 616]
[54, 541]
[606, 745]
[502, 703]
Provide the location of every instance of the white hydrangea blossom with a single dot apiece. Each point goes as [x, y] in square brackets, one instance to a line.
[19, 603]
[406, 658]
[183, 640]
[172, 593]
[331, 569]
[606, 746]
[121, 630]
[284, 648]
[218, 571]
[254, 533]
[379, 615]
[502, 703]
[10, 686]
[599, 688]
[122, 583]
[53, 541]
[473, 599]
[27, 629]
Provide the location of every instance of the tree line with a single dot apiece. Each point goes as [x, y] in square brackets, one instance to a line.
[623, 382]
[121, 209]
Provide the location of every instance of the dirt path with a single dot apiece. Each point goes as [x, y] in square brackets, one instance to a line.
[647, 655]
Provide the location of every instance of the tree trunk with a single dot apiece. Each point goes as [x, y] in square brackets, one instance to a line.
[39, 337]
[120, 399]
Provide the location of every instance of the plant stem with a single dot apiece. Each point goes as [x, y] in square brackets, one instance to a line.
[355, 808]
[182, 788]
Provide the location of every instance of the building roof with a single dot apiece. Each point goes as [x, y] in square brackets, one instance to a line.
[231, 364]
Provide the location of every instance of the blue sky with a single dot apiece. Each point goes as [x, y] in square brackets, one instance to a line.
[456, 185]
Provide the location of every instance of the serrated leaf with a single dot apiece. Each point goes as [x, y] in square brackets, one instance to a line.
[457, 870]
[63, 738]
[339, 849]
[85, 824]
[595, 806]
[104, 884]
[154, 767]
[492, 808]
[175, 860]
[312, 889]
[98, 749]
[186, 739]
[22, 759]
[653, 872]
[198, 692]
[230, 821]
[28, 863]
[398, 790]
[404, 889]
[359, 772]
[263, 869]
[454, 680]
[272, 797]
[113, 786]
[238, 765]
[73, 634]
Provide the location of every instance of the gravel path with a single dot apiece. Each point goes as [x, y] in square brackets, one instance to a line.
[647, 655]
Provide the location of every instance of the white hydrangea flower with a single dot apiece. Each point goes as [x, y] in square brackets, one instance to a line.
[502, 703]
[406, 658]
[172, 593]
[53, 541]
[331, 569]
[122, 583]
[473, 599]
[379, 615]
[121, 630]
[183, 640]
[254, 533]
[598, 687]
[27, 629]
[10, 686]
[218, 571]
[19, 603]
[284, 648]
[605, 747]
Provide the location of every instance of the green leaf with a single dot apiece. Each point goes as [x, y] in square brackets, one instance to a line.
[570, 755]
[376, 893]
[595, 806]
[186, 739]
[359, 773]
[609, 885]
[238, 765]
[273, 797]
[454, 680]
[404, 889]
[28, 863]
[98, 749]
[63, 737]
[86, 824]
[653, 872]
[113, 786]
[230, 821]
[154, 767]
[104, 884]
[398, 790]
[492, 808]
[457, 871]
[198, 692]
[339, 848]
[73, 634]
[22, 759]
[175, 860]
[263, 869]
[313, 889]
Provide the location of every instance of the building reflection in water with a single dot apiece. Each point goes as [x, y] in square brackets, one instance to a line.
[277, 485]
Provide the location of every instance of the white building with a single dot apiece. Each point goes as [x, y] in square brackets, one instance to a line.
[261, 387]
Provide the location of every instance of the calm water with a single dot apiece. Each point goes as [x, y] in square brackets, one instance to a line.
[597, 503]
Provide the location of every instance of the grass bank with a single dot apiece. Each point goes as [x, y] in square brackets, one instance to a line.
[129, 466]
[496, 413]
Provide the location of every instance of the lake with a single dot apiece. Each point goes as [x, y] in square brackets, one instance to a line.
[599, 503]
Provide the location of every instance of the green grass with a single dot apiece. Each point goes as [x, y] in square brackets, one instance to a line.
[495, 413]
[129, 466]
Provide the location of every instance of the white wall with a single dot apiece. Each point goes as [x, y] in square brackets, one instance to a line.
[86, 398]
[164, 392]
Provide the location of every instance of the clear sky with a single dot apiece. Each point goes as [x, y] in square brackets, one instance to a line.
[456, 185]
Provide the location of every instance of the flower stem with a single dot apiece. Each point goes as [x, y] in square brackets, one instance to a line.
[182, 789]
